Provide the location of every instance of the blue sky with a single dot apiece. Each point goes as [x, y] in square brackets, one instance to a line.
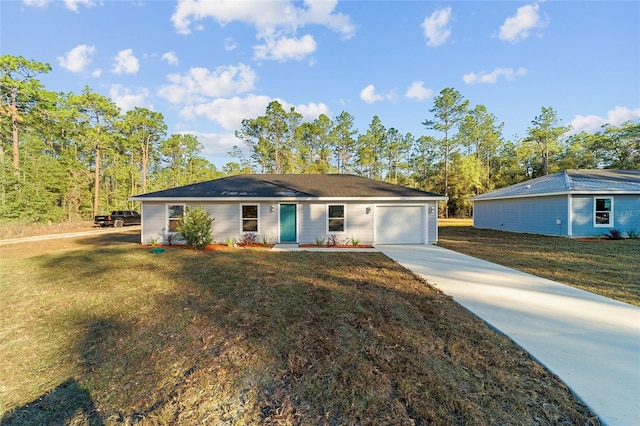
[206, 65]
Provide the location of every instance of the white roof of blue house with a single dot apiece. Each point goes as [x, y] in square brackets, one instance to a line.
[599, 181]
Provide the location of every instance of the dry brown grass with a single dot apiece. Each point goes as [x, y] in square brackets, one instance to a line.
[10, 230]
[97, 330]
[606, 267]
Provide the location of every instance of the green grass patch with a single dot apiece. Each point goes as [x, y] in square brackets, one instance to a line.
[606, 267]
[100, 331]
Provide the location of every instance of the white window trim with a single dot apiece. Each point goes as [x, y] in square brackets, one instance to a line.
[611, 213]
[166, 212]
[242, 219]
[344, 218]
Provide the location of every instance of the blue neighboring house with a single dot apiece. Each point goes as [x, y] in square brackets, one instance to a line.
[572, 203]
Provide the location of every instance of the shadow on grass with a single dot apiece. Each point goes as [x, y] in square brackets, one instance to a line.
[68, 403]
[256, 337]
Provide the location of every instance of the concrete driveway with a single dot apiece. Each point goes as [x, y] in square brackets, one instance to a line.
[591, 342]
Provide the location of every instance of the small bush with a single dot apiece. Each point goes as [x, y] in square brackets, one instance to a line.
[265, 240]
[248, 239]
[231, 241]
[614, 234]
[195, 229]
[319, 241]
[633, 234]
[355, 242]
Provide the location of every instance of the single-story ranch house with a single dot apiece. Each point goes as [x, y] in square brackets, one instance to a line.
[299, 208]
[573, 203]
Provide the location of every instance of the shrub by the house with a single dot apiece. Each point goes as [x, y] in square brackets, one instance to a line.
[196, 228]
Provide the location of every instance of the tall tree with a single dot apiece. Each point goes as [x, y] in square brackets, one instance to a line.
[323, 151]
[342, 141]
[290, 147]
[255, 134]
[370, 148]
[19, 90]
[449, 108]
[423, 163]
[396, 150]
[183, 163]
[619, 146]
[277, 130]
[480, 133]
[98, 115]
[546, 133]
[145, 129]
[579, 152]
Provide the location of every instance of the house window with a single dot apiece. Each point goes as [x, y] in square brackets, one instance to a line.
[175, 214]
[603, 215]
[335, 218]
[250, 218]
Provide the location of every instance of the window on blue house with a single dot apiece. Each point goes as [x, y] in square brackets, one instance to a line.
[603, 214]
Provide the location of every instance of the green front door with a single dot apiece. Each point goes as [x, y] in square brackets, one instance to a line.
[287, 223]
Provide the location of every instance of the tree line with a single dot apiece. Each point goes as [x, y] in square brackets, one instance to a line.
[68, 156]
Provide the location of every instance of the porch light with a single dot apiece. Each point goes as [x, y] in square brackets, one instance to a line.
[273, 208]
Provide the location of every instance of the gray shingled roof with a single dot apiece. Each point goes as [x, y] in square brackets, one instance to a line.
[570, 182]
[284, 186]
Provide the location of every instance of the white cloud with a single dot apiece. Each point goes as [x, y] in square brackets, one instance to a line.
[125, 63]
[492, 77]
[126, 99]
[229, 44]
[276, 22]
[369, 95]
[436, 27]
[593, 123]
[171, 58]
[518, 27]
[310, 111]
[36, 3]
[215, 144]
[265, 16]
[199, 83]
[418, 91]
[286, 48]
[229, 112]
[73, 4]
[77, 59]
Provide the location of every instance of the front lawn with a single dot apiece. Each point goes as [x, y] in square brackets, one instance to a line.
[607, 267]
[98, 330]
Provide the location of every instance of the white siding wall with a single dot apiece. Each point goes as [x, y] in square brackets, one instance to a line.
[360, 223]
[312, 221]
[432, 222]
[154, 220]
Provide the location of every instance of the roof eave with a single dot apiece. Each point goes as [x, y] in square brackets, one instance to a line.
[286, 199]
[550, 194]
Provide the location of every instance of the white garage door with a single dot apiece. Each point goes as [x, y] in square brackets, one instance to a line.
[399, 225]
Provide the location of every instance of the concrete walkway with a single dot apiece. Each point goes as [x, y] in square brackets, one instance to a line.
[591, 342]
